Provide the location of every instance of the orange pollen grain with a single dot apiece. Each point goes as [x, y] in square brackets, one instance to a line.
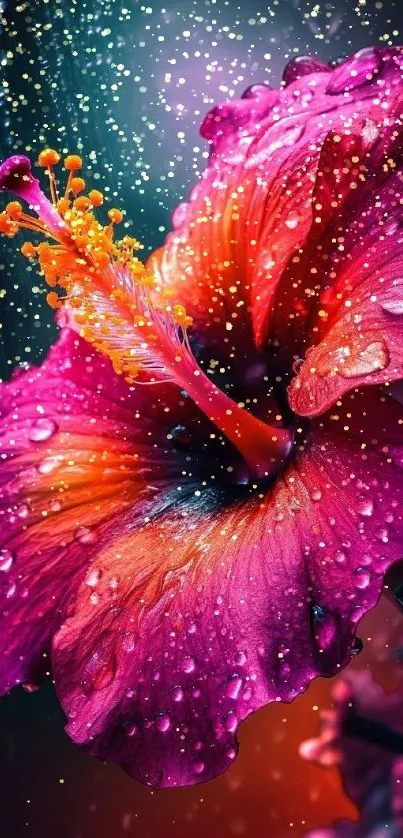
[115, 216]
[96, 198]
[48, 157]
[73, 162]
[14, 209]
[77, 184]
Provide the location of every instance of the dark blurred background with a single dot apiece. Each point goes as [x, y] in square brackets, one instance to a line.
[126, 84]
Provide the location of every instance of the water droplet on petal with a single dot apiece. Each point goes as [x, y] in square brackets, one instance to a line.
[49, 464]
[365, 506]
[316, 494]
[394, 307]
[131, 730]
[199, 767]
[163, 722]
[234, 685]
[86, 536]
[362, 578]
[352, 361]
[100, 670]
[357, 70]
[23, 511]
[231, 722]
[92, 578]
[293, 220]
[188, 665]
[177, 693]
[42, 430]
[128, 641]
[6, 560]
[382, 533]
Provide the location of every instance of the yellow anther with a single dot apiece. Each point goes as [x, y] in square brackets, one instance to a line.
[14, 210]
[28, 250]
[73, 162]
[77, 184]
[48, 157]
[96, 198]
[115, 216]
[53, 299]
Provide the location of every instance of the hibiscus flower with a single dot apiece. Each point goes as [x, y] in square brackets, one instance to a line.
[202, 484]
[363, 736]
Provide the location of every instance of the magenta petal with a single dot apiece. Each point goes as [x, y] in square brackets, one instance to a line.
[72, 468]
[247, 232]
[215, 608]
[355, 71]
[15, 175]
[359, 340]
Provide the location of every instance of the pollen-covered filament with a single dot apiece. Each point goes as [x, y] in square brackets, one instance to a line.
[115, 303]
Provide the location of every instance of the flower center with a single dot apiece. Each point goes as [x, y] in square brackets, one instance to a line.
[113, 302]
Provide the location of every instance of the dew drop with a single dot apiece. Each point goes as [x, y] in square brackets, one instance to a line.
[240, 658]
[6, 560]
[23, 511]
[234, 685]
[231, 722]
[92, 578]
[365, 506]
[293, 220]
[188, 665]
[128, 641]
[177, 694]
[131, 730]
[316, 494]
[355, 71]
[49, 464]
[199, 767]
[382, 534]
[366, 361]
[86, 536]
[362, 578]
[394, 307]
[42, 430]
[163, 722]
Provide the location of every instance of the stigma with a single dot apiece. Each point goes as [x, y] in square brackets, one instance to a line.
[116, 304]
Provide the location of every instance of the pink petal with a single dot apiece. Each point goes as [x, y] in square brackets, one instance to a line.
[75, 460]
[220, 605]
[360, 280]
[251, 214]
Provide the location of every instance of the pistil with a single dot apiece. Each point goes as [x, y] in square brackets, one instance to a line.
[116, 305]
